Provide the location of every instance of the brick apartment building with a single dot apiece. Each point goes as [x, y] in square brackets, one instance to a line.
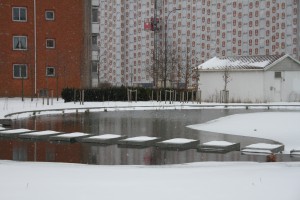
[46, 45]
[43, 47]
[194, 29]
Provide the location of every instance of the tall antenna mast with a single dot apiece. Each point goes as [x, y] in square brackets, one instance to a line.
[155, 50]
[153, 24]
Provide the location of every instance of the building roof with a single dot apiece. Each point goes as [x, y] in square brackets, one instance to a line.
[241, 62]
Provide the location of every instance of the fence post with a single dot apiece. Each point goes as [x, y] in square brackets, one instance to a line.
[160, 96]
[82, 97]
[47, 96]
[180, 96]
[198, 96]
[152, 95]
[128, 98]
[51, 97]
[187, 96]
[192, 96]
[175, 95]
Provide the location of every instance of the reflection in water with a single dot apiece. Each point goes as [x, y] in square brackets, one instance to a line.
[165, 124]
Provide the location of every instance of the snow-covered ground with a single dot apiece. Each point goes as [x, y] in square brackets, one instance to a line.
[282, 127]
[211, 180]
[15, 105]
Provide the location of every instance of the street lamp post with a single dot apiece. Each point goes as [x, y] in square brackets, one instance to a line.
[166, 37]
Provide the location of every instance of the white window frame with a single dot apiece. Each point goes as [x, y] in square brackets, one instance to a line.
[47, 18]
[19, 12]
[50, 47]
[47, 72]
[20, 71]
[18, 37]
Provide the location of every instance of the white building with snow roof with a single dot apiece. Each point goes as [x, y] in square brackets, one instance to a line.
[256, 79]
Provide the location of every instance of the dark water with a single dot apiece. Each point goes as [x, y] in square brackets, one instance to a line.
[165, 124]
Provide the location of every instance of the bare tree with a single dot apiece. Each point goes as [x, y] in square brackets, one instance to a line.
[226, 77]
[162, 71]
[152, 68]
[196, 74]
[189, 73]
[172, 67]
[179, 74]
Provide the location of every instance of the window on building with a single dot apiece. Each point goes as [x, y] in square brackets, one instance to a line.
[50, 71]
[50, 43]
[49, 15]
[19, 42]
[277, 74]
[95, 66]
[94, 41]
[20, 71]
[19, 14]
[95, 15]
[239, 33]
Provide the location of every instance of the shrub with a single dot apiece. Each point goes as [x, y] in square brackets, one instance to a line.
[116, 94]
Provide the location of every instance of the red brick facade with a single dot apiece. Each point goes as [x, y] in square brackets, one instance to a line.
[66, 59]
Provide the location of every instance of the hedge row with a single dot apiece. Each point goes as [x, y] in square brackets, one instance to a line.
[119, 94]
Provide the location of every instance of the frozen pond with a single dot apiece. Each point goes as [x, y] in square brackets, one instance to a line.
[166, 124]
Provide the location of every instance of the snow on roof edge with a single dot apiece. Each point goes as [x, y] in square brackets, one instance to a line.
[242, 62]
